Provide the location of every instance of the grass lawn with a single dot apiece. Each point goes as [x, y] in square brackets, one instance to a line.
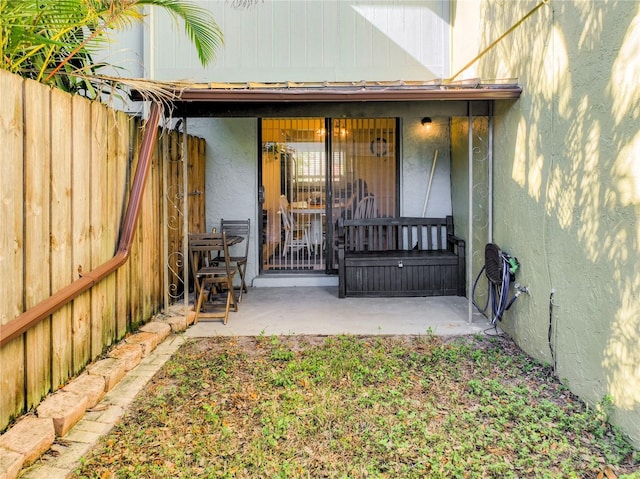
[355, 407]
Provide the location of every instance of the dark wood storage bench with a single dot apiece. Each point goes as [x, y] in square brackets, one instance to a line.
[400, 257]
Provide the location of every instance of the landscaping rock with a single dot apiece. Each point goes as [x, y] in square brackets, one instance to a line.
[148, 341]
[112, 370]
[64, 408]
[178, 323]
[88, 385]
[129, 354]
[160, 329]
[10, 463]
[31, 437]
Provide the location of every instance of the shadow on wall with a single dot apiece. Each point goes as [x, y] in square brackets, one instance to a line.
[575, 146]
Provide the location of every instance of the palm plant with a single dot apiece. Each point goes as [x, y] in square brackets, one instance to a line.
[52, 41]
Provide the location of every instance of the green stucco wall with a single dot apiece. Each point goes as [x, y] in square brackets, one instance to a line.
[567, 189]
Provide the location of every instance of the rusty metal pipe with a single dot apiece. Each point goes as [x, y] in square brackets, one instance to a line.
[46, 308]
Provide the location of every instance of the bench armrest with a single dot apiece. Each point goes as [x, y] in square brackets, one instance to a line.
[342, 291]
[455, 240]
[458, 247]
[340, 230]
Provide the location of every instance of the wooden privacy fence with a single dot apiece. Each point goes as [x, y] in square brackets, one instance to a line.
[67, 167]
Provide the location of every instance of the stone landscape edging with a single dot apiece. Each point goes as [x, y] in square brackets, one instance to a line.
[35, 433]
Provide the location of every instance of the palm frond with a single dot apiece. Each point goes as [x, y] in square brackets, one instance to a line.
[199, 25]
[245, 3]
[53, 40]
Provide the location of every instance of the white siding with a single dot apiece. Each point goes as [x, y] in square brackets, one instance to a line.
[314, 40]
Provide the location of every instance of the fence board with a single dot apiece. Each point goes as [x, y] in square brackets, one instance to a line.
[37, 161]
[11, 241]
[81, 225]
[199, 157]
[99, 187]
[61, 248]
[112, 222]
[180, 198]
[196, 186]
[125, 125]
[147, 239]
[155, 261]
[134, 262]
[174, 213]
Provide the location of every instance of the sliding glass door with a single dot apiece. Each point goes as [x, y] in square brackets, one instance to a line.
[315, 170]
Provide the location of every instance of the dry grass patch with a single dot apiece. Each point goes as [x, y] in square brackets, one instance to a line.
[354, 407]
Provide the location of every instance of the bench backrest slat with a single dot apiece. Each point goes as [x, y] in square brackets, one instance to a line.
[405, 233]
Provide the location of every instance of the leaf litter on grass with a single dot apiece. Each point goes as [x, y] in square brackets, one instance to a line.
[355, 407]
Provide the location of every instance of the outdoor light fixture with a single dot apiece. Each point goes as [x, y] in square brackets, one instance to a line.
[426, 122]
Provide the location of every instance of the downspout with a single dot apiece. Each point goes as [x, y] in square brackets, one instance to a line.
[46, 308]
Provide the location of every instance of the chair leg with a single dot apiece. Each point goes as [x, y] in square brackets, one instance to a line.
[243, 285]
[232, 297]
[197, 286]
[226, 309]
[242, 269]
[199, 304]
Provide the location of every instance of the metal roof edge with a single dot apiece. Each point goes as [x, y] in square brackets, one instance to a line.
[332, 95]
[400, 90]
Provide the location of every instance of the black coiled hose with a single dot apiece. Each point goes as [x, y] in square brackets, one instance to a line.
[499, 273]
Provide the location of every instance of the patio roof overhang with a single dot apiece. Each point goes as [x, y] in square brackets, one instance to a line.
[193, 99]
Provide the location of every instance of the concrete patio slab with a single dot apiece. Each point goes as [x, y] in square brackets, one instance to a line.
[318, 310]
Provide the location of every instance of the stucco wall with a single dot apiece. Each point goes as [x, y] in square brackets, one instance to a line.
[567, 190]
[232, 164]
[419, 154]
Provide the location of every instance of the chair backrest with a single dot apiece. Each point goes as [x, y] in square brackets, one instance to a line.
[287, 217]
[197, 256]
[366, 208]
[237, 228]
[205, 246]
